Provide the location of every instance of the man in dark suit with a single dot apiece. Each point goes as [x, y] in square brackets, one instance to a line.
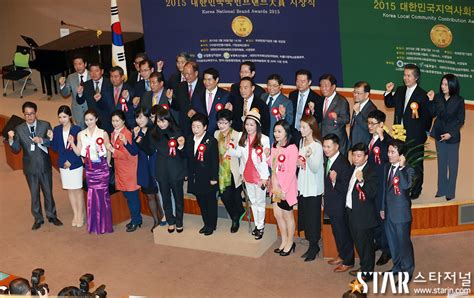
[97, 92]
[135, 76]
[396, 208]
[178, 77]
[304, 101]
[335, 111]
[247, 69]
[247, 102]
[360, 208]
[187, 93]
[359, 132]
[158, 95]
[278, 104]
[142, 86]
[213, 99]
[336, 182]
[378, 158]
[411, 109]
[31, 136]
[122, 95]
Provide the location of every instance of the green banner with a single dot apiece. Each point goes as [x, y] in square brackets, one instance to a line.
[379, 37]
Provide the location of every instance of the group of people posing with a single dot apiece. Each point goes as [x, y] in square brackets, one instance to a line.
[152, 136]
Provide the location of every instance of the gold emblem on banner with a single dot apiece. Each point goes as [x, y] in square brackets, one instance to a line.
[441, 36]
[242, 26]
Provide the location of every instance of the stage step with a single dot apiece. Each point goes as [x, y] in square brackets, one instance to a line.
[241, 243]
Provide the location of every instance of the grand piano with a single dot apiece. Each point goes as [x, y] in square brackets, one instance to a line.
[55, 57]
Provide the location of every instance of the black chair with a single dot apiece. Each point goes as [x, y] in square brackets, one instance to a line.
[20, 70]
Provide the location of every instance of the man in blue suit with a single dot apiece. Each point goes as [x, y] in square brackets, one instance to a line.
[123, 95]
[396, 208]
[279, 106]
[212, 100]
[97, 92]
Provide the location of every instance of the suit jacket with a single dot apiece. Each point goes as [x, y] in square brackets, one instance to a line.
[313, 97]
[129, 112]
[335, 196]
[104, 106]
[359, 131]
[416, 128]
[363, 211]
[65, 154]
[133, 79]
[238, 111]
[378, 162]
[222, 96]
[182, 103]
[173, 81]
[397, 208]
[280, 100]
[235, 91]
[78, 110]
[200, 173]
[340, 106]
[37, 161]
[146, 101]
[139, 88]
[450, 115]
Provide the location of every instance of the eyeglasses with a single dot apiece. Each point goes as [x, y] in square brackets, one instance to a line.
[372, 123]
[29, 114]
[223, 123]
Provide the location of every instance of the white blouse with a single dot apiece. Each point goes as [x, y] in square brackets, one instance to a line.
[311, 178]
[87, 140]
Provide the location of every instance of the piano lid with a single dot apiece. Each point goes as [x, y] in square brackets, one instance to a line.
[81, 39]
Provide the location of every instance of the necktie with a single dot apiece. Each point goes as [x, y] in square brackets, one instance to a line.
[371, 144]
[209, 103]
[32, 131]
[116, 95]
[328, 166]
[246, 110]
[326, 106]
[391, 174]
[190, 90]
[97, 90]
[299, 111]
[270, 102]
[147, 85]
[154, 101]
[82, 80]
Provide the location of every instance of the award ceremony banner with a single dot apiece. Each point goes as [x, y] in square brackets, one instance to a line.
[280, 36]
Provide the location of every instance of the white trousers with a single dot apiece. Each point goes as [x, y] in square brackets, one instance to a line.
[257, 198]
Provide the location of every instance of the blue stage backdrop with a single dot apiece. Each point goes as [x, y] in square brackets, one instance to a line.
[280, 36]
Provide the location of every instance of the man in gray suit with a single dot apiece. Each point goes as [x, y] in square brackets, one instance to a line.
[69, 87]
[279, 106]
[335, 111]
[31, 137]
[359, 130]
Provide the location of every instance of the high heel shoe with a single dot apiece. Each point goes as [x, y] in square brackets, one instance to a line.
[277, 250]
[312, 255]
[133, 228]
[287, 253]
[155, 224]
[171, 230]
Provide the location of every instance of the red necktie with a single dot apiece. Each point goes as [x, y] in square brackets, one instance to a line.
[190, 92]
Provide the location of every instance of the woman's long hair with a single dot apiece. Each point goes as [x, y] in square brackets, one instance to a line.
[258, 138]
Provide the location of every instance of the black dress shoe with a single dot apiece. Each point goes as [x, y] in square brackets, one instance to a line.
[384, 258]
[55, 221]
[208, 232]
[311, 255]
[129, 224]
[305, 254]
[37, 225]
[203, 230]
[180, 229]
[133, 228]
[235, 226]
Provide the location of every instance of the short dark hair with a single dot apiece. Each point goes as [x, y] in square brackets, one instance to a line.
[247, 79]
[200, 118]
[193, 64]
[184, 55]
[399, 145]
[213, 72]
[70, 291]
[360, 147]
[29, 104]
[158, 76]
[65, 109]
[330, 77]
[415, 68]
[142, 111]
[118, 113]
[250, 64]
[142, 55]
[363, 84]
[286, 126]
[78, 56]
[377, 115]
[304, 72]
[331, 137]
[96, 64]
[275, 77]
[224, 114]
[19, 286]
[453, 84]
[148, 62]
[117, 68]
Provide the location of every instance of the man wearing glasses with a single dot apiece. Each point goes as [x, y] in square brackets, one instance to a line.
[359, 132]
[31, 137]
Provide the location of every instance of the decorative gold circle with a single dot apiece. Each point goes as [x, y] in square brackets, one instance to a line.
[441, 36]
[242, 26]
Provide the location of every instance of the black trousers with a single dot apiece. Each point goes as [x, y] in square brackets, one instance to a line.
[166, 187]
[342, 235]
[309, 217]
[364, 242]
[208, 204]
[232, 199]
[43, 181]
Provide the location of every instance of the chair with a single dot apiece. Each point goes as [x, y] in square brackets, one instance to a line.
[20, 70]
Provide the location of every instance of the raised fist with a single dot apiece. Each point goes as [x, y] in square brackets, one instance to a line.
[431, 95]
[389, 87]
[62, 81]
